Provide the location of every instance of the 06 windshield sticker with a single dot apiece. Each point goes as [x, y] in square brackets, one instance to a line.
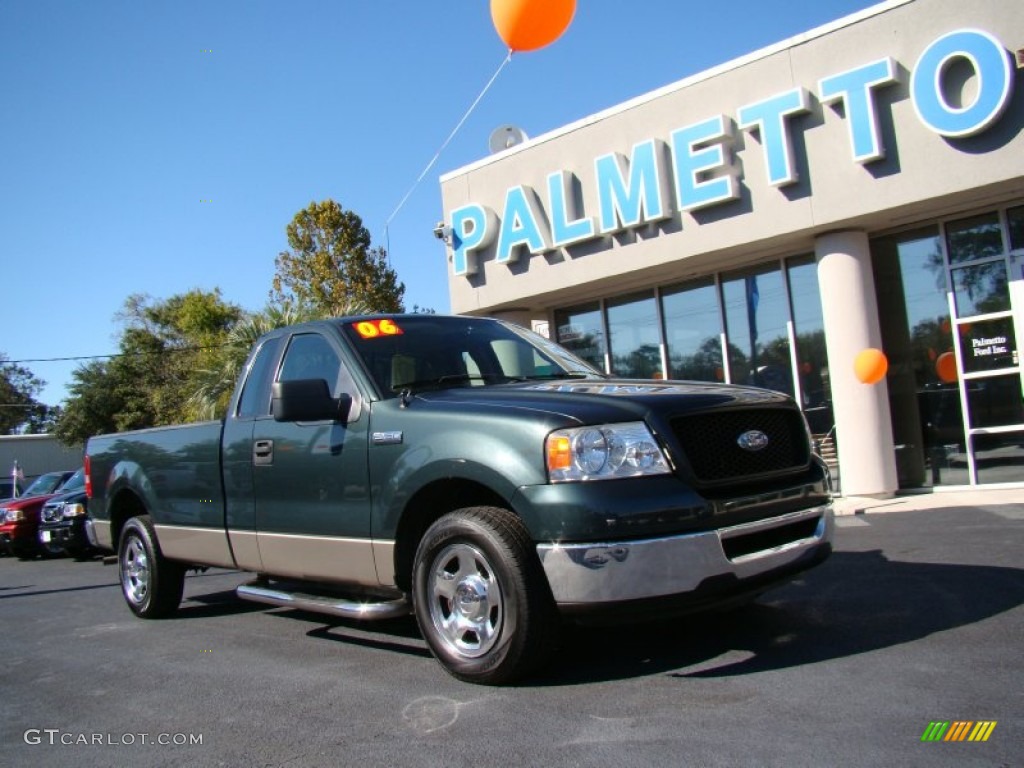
[372, 329]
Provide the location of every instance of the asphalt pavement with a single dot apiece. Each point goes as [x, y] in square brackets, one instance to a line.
[916, 619]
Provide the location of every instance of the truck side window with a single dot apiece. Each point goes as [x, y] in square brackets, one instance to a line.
[255, 399]
[310, 356]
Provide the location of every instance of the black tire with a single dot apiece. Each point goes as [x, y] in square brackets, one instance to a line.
[482, 602]
[80, 554]
[151, 584]
[23, 552]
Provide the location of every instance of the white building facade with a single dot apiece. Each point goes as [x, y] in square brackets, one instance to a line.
[859, 186]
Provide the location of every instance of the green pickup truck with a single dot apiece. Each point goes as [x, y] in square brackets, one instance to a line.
[471, 472]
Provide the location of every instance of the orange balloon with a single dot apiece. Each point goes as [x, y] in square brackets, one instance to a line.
[870, 365]
[945, 368]
[526, 25]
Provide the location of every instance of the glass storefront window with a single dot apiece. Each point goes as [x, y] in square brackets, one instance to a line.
[917, 335]
[581, 330]
[978, 237]
[756, 314]
[995, 401]
[812, 359]
[981, 289]
[988, 345]
[693, 329]
[1015, 217]
[999, 458]
[635, 337]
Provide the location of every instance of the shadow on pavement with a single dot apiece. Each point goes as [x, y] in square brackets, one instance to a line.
[856, 603]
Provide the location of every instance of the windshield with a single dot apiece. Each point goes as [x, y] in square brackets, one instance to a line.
[47, 483]
[75, 483]
[424, 351]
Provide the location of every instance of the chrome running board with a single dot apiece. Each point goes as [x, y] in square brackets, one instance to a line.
[335, 606]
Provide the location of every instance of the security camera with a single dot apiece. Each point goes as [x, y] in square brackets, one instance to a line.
[442, 231]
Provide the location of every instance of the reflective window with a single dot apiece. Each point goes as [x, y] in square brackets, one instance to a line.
[978, 237]
[981, 289]
[581, 330]
[255, 400]
[756, 314]
[635, 337]
[995, 401]
[1015, 216]
[999, 458]
[310, 356]
[917, 335]
[693, 329]
[812, 359]
[988, 345]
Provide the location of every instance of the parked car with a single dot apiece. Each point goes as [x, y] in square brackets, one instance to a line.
[19, 524]
[62, 521]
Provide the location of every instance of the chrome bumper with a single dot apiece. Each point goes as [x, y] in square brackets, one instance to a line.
[597, 573]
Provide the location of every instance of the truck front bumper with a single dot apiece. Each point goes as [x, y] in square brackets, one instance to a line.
[687, 571]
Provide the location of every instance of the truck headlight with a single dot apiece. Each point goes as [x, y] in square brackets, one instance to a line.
[72, 510]
[13, 515]
[603, 452]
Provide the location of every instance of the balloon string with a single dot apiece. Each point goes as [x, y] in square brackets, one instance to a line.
[447, 141]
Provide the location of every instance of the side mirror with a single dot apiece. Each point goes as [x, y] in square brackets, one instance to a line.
[308, 400]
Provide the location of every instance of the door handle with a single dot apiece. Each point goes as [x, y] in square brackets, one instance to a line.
[263, 452]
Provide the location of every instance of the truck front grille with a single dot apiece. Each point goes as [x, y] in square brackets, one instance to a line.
[711, 442]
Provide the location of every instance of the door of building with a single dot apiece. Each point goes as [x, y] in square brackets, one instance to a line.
[984, 257]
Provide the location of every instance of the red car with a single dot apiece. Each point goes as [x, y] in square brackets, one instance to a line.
[19, 518]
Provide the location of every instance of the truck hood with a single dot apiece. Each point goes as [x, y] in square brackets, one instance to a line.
[596, 400]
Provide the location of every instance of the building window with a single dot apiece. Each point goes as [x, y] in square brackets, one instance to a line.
[581, 330]
[910, 279]
[693, 331]
[811, 356]
[756, 321]
[635, 337]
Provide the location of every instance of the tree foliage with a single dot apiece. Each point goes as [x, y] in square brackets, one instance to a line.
[19, 409]
[332, 264]
[163, 348]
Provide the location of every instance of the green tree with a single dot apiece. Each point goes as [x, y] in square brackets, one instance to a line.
[331, 264]
[164, 347]
[216, 383]
[94, 403]
[19, 409]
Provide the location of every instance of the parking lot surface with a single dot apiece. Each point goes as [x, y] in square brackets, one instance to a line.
[917, 618]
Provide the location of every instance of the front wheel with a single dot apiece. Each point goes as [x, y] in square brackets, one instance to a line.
[482, 602]
[151, 584]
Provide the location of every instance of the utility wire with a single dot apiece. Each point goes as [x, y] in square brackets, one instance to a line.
[447, 141]
[118, 354]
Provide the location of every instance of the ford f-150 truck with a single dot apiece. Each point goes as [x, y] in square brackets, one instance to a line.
[471, 472]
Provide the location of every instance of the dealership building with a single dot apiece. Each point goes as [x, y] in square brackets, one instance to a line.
[764, 222]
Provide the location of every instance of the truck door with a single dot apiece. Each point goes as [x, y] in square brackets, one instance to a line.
[237, 452]
[310, 479]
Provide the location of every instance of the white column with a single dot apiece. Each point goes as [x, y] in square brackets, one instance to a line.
[867, 461]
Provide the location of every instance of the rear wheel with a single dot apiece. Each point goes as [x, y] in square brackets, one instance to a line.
[482, 602]
[151, 584]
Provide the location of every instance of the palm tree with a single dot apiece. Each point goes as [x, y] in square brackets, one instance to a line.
[216, 383]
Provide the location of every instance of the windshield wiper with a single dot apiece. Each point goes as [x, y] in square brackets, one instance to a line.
[451, 379]
[561, 375]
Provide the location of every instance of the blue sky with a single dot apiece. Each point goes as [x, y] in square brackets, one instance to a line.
[120, 120]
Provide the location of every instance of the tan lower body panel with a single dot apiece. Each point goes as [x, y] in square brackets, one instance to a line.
[384, 556]
[318, 558]
[246, 549]
[102, 530]
[203, 546]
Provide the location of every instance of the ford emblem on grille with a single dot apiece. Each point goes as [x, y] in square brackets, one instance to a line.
[753, 440]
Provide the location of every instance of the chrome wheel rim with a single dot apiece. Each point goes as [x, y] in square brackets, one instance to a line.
[466, 604]
[135, 571]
